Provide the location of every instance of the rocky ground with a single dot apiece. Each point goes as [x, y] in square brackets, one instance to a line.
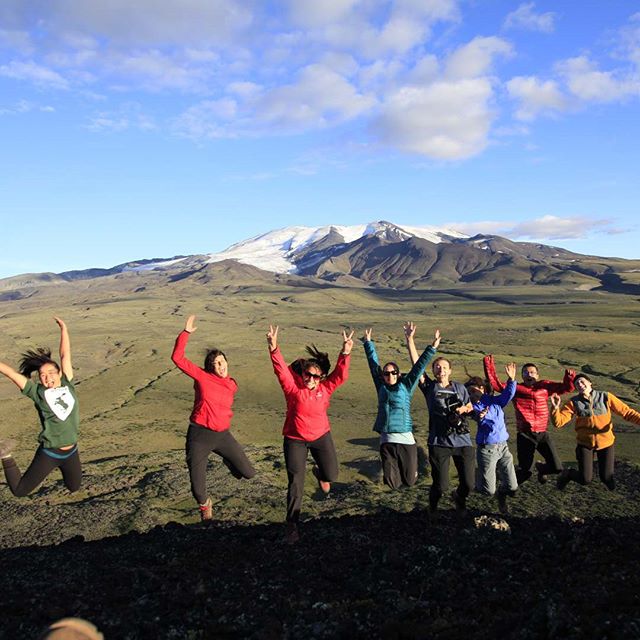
[370, 572]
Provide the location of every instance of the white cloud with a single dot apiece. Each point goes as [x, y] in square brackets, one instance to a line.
[18, 41]
[129, 116]
[590, 84]
[445, 120]
[32, 72]
[524, 17]
[546, 227]
[313, 14]
[536, 96]
[320, 96]
[476, 57]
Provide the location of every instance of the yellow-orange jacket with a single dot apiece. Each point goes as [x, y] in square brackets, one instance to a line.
[594, 428]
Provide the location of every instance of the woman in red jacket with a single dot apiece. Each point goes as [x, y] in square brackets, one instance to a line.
[210, 419]
[307, 387]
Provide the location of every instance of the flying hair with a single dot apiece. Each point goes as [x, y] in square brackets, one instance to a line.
[33, 359]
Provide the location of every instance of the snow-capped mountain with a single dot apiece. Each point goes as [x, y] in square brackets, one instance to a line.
[287, 250]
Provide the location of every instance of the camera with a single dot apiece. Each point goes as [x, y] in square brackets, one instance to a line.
[456, 423]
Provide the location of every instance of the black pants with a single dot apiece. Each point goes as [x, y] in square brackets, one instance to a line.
[41, 466]
[324, 454]
[584, 474]
[527, 445]
[439, 458]
[200, 443]
[399, 464]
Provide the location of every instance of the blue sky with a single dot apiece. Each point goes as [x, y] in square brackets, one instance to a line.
[162, 127]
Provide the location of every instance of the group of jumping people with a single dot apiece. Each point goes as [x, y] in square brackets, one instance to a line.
[308, 384]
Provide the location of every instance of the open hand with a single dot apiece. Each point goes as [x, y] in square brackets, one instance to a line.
[190, 324]
[511, 370]
[436, 339]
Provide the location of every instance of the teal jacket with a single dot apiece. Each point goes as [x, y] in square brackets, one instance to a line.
[394, 401]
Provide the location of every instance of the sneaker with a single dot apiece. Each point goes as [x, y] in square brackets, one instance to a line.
[542, 477]
[503, 508]
[325, 487]
[6, 447]
[206, 510]
[563, 479]
[291, 534]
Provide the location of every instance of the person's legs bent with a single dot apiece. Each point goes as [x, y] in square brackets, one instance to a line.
[526, 448]
[506, 471]
[390, 465]
[408, 463]
[198, 447]
[486, 476]
[233, 456]
[295, 458]
[584, 474]
[71, 469]
[23, 484]
[552, 463]
[465, 463]
[606, 459]
[324, 454]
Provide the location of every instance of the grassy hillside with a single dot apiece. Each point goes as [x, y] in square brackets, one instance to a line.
[135, 404]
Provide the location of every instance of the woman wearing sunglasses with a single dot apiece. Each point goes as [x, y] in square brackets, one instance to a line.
[398, 449]
[307, 386]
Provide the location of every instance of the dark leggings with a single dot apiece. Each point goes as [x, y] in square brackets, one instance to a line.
[200, 443]
[324, 454]
[527, 445]
[41, 466]
[464, 459]
[584, 473]
[399, 464]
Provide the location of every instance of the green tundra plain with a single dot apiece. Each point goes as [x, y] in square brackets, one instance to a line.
[135, 404]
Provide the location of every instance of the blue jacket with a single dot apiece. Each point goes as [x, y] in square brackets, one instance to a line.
[394, 401]
[492, 428]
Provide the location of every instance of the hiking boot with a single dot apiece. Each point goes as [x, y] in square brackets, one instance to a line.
[503, 508]
[6, 447]
[291, 534]
[206, 510]
[563, 479]
[542, 476]
[325, 487]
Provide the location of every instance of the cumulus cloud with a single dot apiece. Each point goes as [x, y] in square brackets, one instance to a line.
[588, 83]
[448, 115]
[546, 227]
[524, 17]
[536, 96]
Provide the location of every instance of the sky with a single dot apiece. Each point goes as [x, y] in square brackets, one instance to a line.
[156, 128]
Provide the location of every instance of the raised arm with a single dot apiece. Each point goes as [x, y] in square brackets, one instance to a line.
[409, 334]
[272, 337]
[17, 378]
[65, 349]
[491, 375]
[506, 395]
[372, 356]
[340, 372]
[566, 386]
[177, 356]
[561, 416]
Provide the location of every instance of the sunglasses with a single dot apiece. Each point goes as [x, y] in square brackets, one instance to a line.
[315, 376]
[391, 372]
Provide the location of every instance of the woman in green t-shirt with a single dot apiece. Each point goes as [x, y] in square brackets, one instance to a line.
[54, 396]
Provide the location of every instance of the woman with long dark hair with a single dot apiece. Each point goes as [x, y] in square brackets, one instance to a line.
[307, 386]
[55, 399]
[210, 419]
[398, 449]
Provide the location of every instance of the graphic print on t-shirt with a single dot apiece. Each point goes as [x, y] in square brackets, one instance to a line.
[60, 401]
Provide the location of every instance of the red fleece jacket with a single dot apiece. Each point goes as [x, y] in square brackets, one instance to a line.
[213, 394]
[307, 409]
